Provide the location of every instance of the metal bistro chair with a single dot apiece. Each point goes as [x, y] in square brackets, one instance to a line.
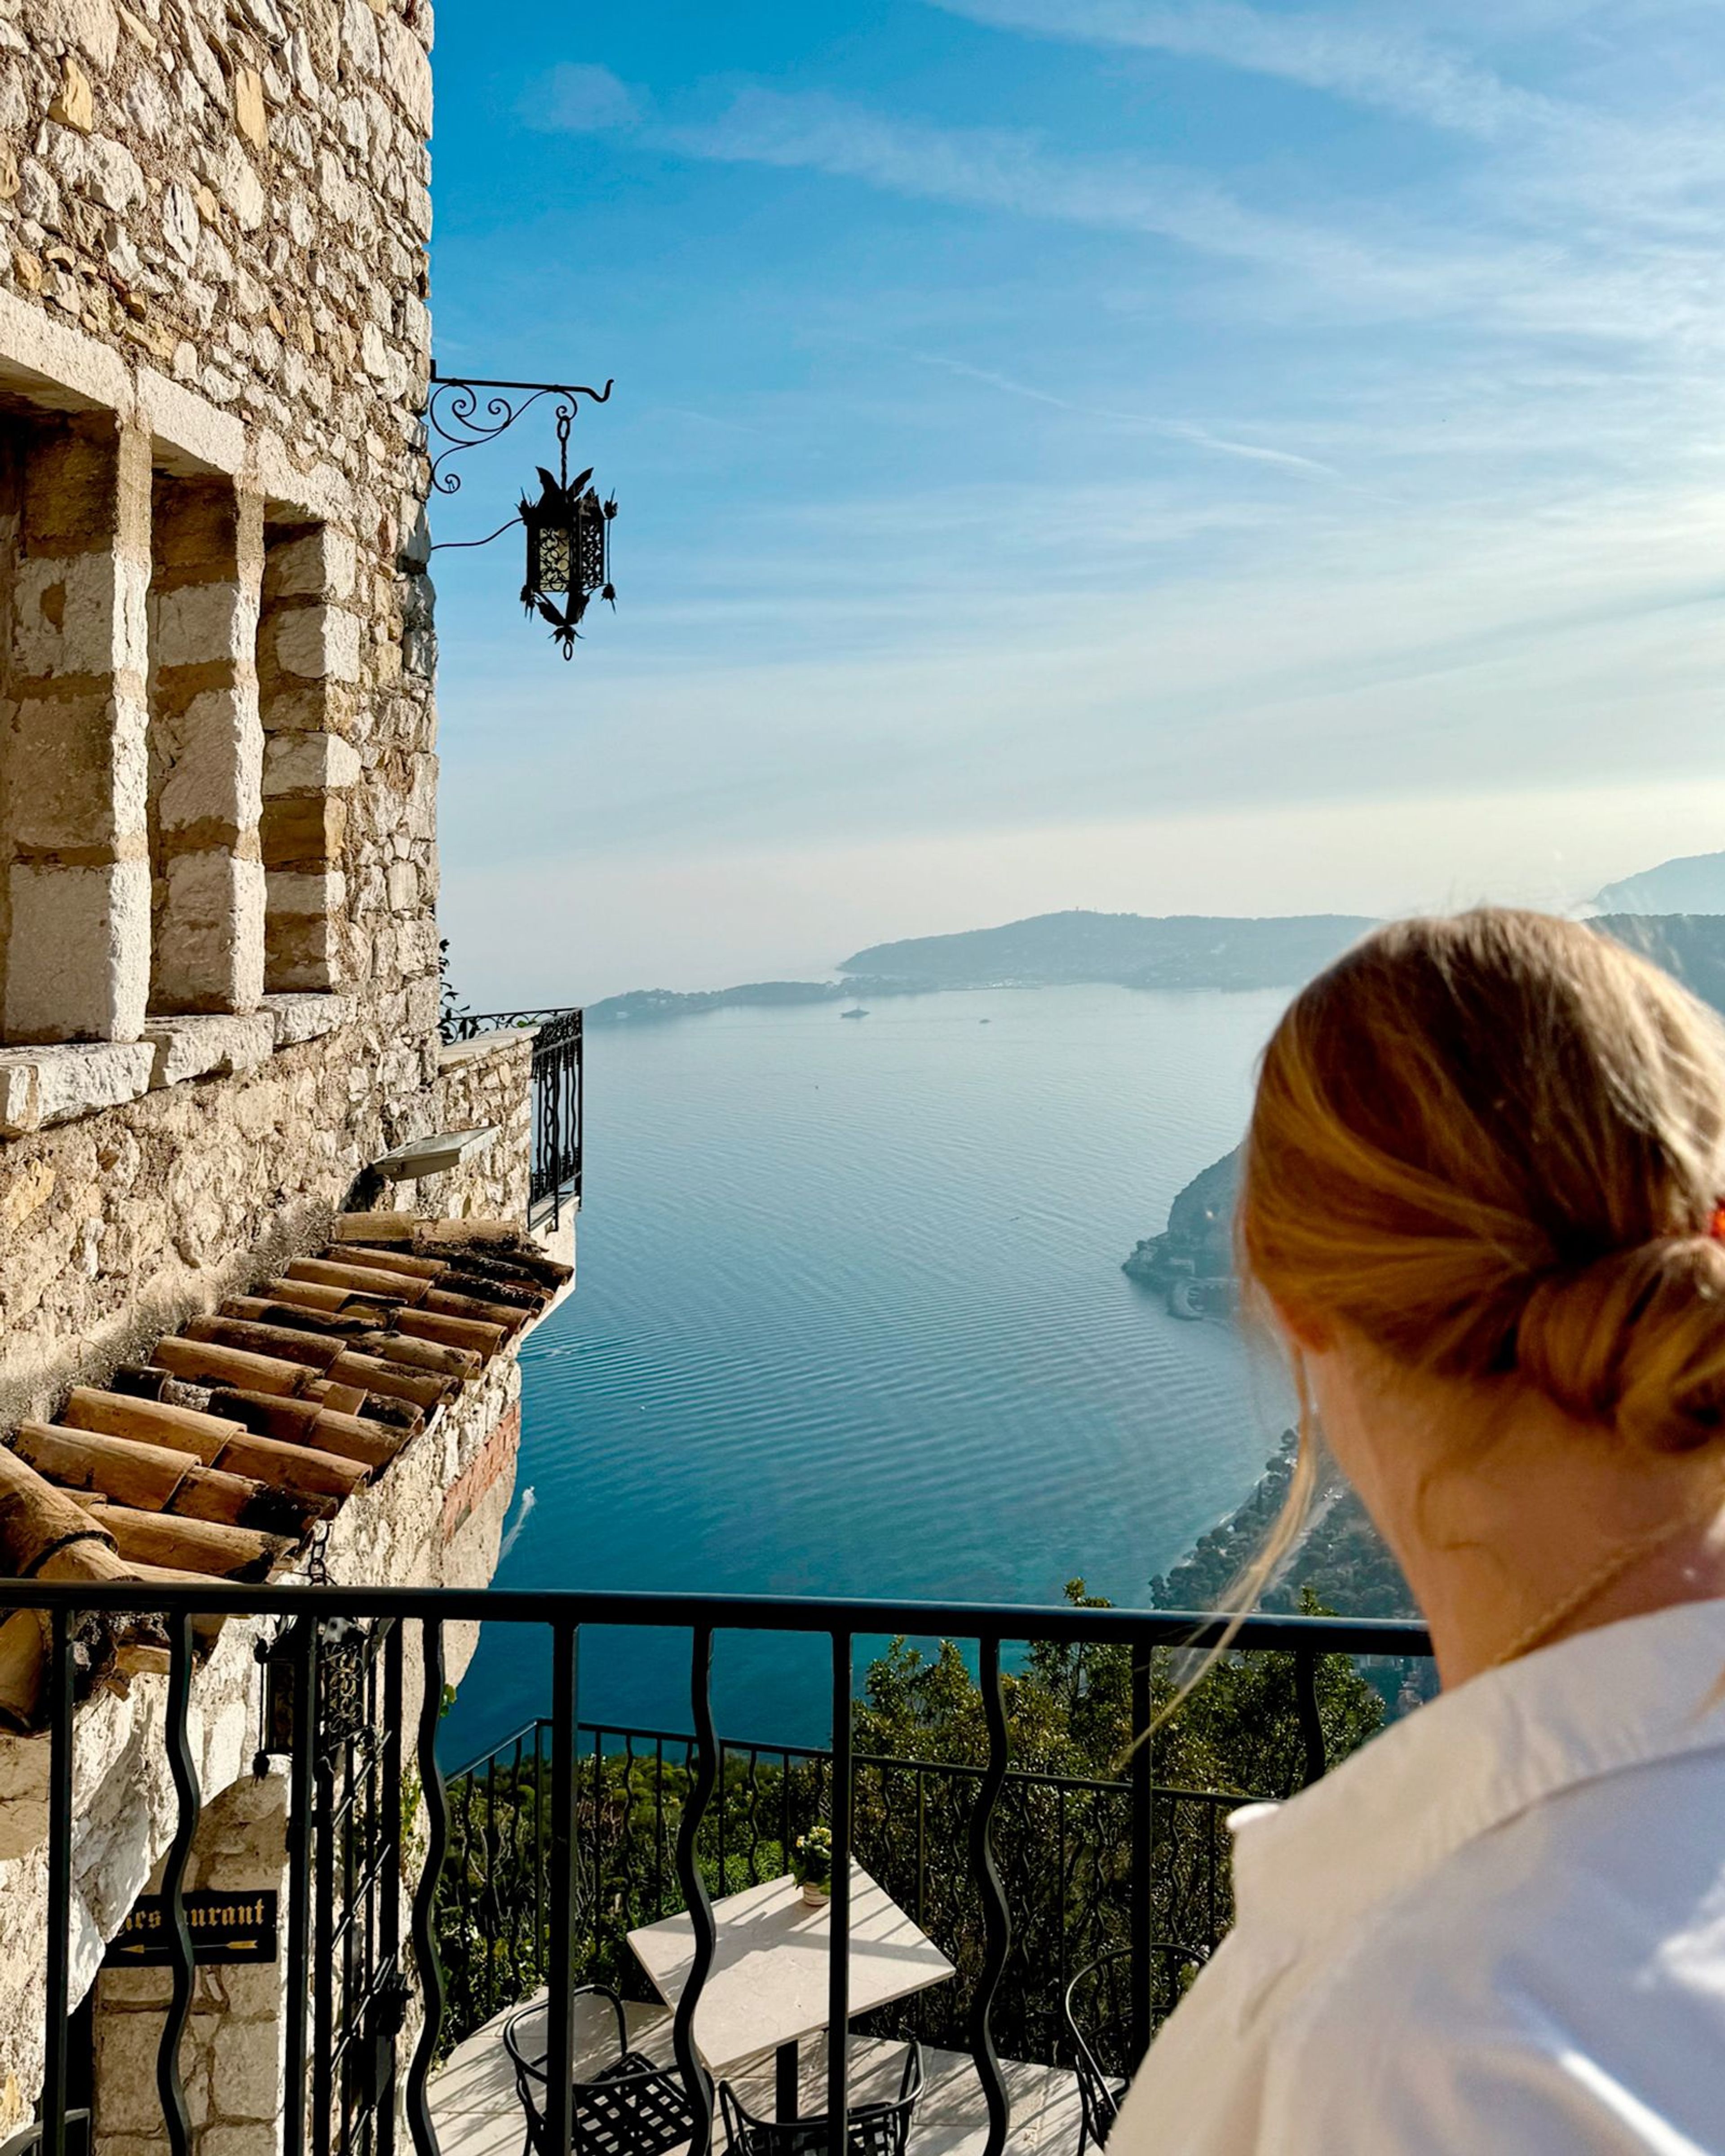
[1100, 2092]
[630, 2107]
[873, 2129]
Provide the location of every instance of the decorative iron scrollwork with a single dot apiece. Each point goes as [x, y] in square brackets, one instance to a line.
[454, 415]
[568, 527]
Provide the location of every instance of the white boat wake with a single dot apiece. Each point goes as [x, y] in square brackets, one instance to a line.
[514, 1535]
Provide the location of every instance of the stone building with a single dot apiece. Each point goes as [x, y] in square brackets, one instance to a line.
[218, 977]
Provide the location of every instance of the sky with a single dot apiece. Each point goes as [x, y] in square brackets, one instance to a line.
[1158, 456]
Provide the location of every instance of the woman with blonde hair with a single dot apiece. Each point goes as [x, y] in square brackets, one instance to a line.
[1482, 1206]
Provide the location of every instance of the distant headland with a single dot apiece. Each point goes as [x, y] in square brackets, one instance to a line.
[1192, 1261]
[1174, 951]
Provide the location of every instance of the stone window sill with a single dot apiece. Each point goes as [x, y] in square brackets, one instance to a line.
[54, 1083]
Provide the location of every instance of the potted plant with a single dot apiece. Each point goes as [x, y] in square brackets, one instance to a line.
[812, 1864]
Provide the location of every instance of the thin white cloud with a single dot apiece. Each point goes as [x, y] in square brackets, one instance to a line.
[1364, 57]
[983, 168]
[1516, 364]
[1509, 263]
[1179, 430]
[1013, 171]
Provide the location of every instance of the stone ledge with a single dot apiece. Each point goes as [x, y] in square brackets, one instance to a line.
[215, 1046]
[304, 1016]
[53, 1083]
[452, 1054]
[435, 1155]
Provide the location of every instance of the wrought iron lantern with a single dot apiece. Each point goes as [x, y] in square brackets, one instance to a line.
[568, 546]
[568, 527]
[343, 1659]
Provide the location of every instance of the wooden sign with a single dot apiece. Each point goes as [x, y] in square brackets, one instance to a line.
[224, 1927]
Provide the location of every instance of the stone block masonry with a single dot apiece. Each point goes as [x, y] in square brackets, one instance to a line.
[213, 319]
[308, 649]
[77, 879]
[206, 747]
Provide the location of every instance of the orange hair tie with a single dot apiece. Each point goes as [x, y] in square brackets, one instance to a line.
[1716, 1224]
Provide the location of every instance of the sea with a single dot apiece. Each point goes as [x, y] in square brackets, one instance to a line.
[850, 1320]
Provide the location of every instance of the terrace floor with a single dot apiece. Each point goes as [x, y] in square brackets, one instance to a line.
[476, 2113]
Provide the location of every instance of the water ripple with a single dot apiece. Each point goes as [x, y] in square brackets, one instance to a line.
[850, 1320]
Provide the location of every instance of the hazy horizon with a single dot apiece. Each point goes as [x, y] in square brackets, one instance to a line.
[736, 928]
[1170, 456]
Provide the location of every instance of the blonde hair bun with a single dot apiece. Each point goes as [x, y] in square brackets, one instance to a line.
[1493, 1143]
[1635, 1340]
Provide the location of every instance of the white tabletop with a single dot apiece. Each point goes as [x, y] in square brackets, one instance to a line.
[768, 1984]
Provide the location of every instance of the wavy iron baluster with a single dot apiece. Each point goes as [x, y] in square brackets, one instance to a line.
[1142, 1890]
[301, 1642]
[391, 1835]
[997, 1919]
[515, 1874]
[698, 2088]
[437, 1844]
[565, 1869]
[323, 2019]
[59, 1883]
[838, 1937]
[176, 1738]
[539, 1845]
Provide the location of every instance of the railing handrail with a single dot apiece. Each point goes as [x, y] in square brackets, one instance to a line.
[350, 1753]
[467, 1025]
[857, 1615]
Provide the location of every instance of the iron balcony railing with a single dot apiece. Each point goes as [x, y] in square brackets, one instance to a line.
[1063, 1844]
[555, 1174]
[357, 1715]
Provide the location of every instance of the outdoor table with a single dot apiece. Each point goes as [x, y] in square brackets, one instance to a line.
[768, 1984]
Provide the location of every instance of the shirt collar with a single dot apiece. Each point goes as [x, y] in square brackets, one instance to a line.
[1619, 1696]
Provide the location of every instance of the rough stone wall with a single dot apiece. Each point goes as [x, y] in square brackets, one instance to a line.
[233, 199]
[483, 1084]
[232, 2059]
[238, 194]
[218, 985]
[114, 1226]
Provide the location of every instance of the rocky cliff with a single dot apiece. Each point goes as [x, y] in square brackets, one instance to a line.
[1192, 1259]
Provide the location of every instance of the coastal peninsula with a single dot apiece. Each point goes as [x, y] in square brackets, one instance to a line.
[1177, 952]
[1192, 1261]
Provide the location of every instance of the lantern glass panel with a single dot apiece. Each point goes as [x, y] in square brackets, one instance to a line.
[548, 571]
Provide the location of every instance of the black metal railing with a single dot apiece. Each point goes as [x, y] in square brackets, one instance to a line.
[1063, 1844]
[355, 1688]
[554, 1176]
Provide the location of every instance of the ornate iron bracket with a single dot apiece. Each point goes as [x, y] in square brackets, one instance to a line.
[454, 416]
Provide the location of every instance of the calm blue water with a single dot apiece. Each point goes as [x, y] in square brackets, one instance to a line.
[851, 1321]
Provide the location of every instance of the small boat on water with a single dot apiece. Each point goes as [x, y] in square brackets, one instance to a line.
[859, 1012]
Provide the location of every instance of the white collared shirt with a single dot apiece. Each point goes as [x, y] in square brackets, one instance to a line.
[1498, 1930]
